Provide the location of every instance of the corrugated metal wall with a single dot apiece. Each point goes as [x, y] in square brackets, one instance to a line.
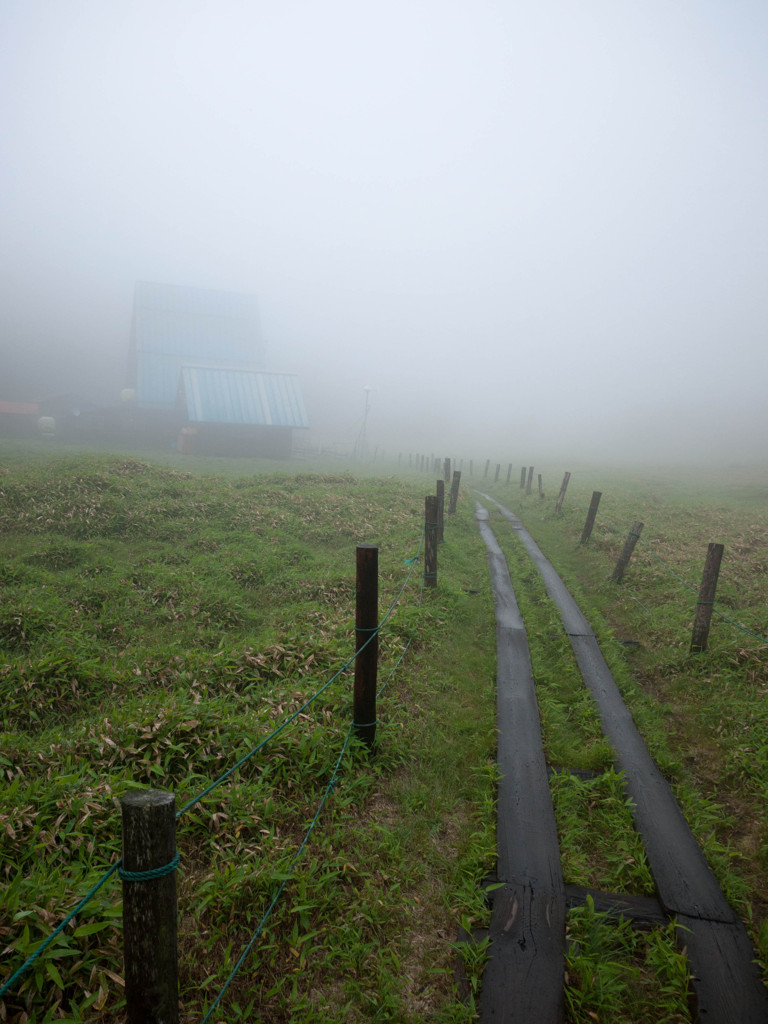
[225, 395]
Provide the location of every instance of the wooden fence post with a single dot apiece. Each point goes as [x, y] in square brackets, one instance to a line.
[522, 477]
[470, 467]
[487, 465]
[447, 470]
[529, 481]
[541, 489]
[440, 511]
[586, 533]
[454, 491]
[366, 642]
[430, 541]
[561, 495]
[706, 598]
[149, 907]
[509, 472]
[626, 554]
[498, 470]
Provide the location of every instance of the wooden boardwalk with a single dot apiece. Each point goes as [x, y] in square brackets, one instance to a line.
[527, 952]
[726, 981]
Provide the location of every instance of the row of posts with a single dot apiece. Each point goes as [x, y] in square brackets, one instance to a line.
[433, 464]
[707, 589]
[149, 853]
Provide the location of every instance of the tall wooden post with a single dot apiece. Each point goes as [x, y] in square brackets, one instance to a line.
[430, 541]
[498, 470]
[149, 907]
[706, 600]
[447, 469]
[626, 554]
[440, 511]
[529, 481]
[454, 491]
[366, 642]
[541, 489]
[487, 465]
[561, 495]
[522, 477]
[509, 472]
[586, 533]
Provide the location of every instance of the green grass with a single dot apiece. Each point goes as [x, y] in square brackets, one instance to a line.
[156, 625]
[160, 615]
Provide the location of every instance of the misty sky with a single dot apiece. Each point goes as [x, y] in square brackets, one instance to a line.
[524, 223]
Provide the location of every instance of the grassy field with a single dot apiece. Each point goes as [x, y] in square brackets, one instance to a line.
[161, 616]
[156, 625]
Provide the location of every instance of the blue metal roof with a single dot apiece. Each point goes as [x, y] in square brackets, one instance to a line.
[219, 394]
[174, 324]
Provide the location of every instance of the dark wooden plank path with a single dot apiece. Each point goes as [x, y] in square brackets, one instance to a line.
[523, 978]
[727, 984]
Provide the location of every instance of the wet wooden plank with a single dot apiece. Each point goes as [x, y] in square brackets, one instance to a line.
[523, 978]
[642, 911]
[723, 991]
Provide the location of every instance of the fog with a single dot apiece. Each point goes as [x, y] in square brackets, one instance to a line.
[531, 227]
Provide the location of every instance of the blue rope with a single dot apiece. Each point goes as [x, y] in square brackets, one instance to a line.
[151, 873]
[58, 930]
[279, 892]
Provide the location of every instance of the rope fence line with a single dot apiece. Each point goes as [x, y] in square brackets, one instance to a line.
[279, 891]
[132, 876]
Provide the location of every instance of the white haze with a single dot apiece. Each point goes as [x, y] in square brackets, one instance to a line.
[532, 226]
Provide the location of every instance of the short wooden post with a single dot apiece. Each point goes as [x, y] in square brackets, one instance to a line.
[366, 642]
[498, 470]
[509, 472]
[454, 491]
[561, 495]
[522, 477]
[541, 489]
[586, 533]
[706, 598]
[447, 469]
[149, 907]
[626, 554]
[430, 541]
[529, 481]
[487, 465]
[440, 511]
